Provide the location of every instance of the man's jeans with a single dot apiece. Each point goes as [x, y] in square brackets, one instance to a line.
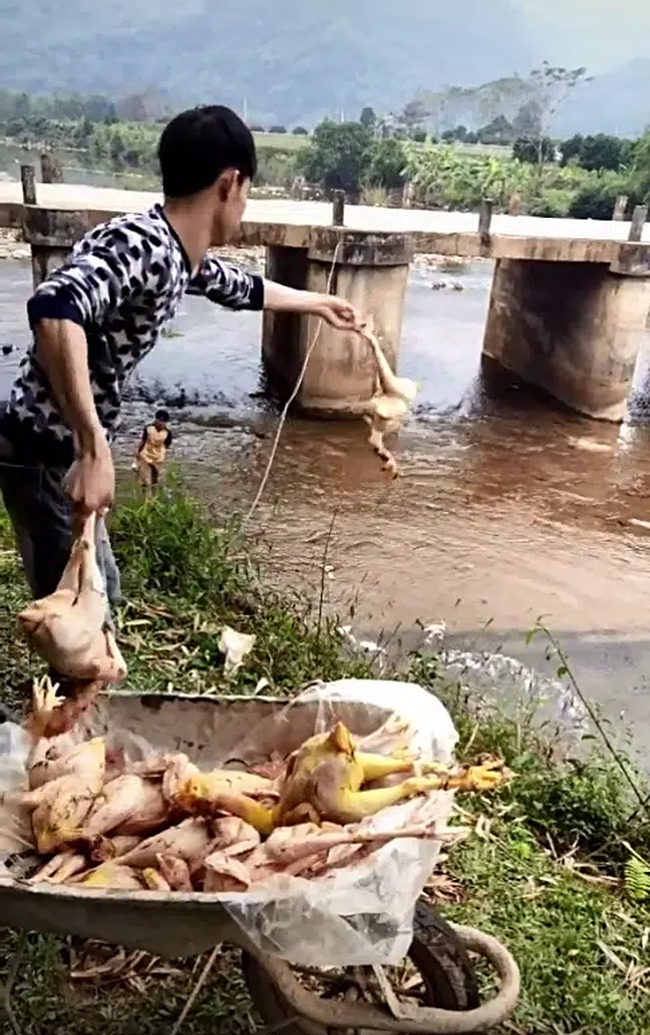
[42, 516]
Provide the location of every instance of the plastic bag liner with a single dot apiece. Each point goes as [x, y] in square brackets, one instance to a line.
[362, 913]
[15, 826]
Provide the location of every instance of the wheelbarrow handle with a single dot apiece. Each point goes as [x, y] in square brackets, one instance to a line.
[326, 1014]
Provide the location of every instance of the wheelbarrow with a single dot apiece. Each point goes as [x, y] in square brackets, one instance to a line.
[290, 997]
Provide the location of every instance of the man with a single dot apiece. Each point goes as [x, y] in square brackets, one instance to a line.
[152, 452]
[95, 318]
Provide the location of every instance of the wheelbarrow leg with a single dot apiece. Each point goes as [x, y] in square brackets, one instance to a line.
[7, 985]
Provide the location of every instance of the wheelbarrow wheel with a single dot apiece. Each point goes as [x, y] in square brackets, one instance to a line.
[448, 978]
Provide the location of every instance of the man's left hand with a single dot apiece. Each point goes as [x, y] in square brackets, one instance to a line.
[338, 313]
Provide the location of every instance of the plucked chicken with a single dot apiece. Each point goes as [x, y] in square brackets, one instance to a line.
[60, 806]
[67, 628]
[388, 406]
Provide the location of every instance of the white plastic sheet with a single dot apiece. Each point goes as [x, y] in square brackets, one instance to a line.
[15, 748]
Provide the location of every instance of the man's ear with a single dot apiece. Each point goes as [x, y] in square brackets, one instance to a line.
[226, 182]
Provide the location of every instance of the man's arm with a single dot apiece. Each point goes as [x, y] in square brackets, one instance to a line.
[142, 443]
[234, 288]
[97, 279]
[62, 351]
[336, 311]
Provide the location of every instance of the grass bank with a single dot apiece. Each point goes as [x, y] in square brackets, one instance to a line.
[542, 870]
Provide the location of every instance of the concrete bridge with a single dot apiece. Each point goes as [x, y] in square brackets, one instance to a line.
[568, 308]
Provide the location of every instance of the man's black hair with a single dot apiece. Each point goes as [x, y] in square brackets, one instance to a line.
[198, 145]
[162, 415]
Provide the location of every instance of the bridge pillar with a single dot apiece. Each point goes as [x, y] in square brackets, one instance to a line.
[371, 271]
[573, 329]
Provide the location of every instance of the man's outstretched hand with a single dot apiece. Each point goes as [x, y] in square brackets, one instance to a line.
[338, 312]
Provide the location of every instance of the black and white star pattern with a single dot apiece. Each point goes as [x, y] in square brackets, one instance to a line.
[125, 280]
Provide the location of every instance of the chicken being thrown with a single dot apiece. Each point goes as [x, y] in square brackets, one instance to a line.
[389, 404]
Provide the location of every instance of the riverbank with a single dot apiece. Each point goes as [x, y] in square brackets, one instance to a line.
[541, 869]
[13, 247]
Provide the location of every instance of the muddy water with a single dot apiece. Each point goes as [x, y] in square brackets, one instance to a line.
[508, 509]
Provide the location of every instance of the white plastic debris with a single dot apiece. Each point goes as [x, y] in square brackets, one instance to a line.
[373, 651]
[236, 646]
[435, 632]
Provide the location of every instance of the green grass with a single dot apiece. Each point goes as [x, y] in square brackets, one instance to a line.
[281, 141]
[541, 870]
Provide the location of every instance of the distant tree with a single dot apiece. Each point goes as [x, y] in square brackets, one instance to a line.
[528, 121]
[300, 131]
[98, 108]
[449, 135]
[419, 135]
[597, 200]
[535, 152]
[338, 155]
[572, 148]
[604, 152]
[22, 105]
[278, 129]
[133, 108]
[498, 131]
[384, 164]
[414, 115]
[549, 86]
[256, 128]
[471, 138]
[368, 118]
[117, 147]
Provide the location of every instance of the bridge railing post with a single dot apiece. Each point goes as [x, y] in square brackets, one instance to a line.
[28, 181]
[618, 215]
[639, 217]
[484, 222]
[338, 207]
[50, 169]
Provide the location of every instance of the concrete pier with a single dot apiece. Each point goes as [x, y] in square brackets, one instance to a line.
[572, 329]
[371, 271]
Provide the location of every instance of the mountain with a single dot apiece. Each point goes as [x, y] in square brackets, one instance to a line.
[616, 102]
[287, 61]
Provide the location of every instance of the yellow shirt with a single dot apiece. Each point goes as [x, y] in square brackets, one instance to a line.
[154, 449]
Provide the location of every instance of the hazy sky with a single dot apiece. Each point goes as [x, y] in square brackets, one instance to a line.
[598, 33]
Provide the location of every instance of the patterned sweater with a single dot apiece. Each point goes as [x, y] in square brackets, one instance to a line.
[125, 280]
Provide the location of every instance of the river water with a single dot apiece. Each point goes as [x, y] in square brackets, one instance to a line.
[508, 509]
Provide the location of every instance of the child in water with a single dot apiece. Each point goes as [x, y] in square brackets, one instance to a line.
[152, 452]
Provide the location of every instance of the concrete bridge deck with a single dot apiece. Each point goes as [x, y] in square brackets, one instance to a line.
[294, 223]
[568, 308]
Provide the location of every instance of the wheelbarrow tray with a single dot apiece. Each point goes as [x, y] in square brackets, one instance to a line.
[210, 730]
[175, 925]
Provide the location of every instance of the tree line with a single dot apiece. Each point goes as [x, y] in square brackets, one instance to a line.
[373, 155]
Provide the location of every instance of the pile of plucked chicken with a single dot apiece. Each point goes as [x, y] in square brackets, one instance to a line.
[99, 821]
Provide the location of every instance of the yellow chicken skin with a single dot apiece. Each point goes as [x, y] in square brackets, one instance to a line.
[364, 767]
[332, 787]
[224, 791]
